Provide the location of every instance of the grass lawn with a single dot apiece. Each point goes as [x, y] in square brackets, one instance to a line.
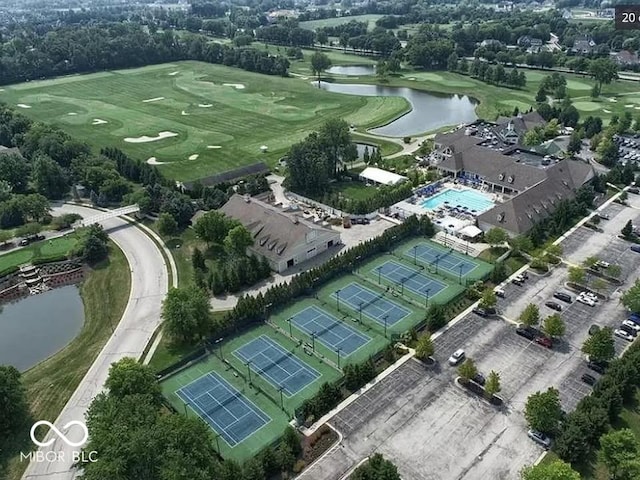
[51, 383]
[333, 22]
[46, 249]
[354, 190]
[215, 118]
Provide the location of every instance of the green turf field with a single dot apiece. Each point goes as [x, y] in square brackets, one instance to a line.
[46, 249]
[332, 22]
[214, 118]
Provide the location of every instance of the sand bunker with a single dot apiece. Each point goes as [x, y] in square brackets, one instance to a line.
[184, 113]
[173, 74]
[1, 89]
[98, 121]
[72, 114]
[153, 161]
[613, 100]
[213, 147]
[22, 105]
[148, 100]
[205, 105]
[146, 139]
[606, 111]
[237, 86]
[194, 156]
[629, 105]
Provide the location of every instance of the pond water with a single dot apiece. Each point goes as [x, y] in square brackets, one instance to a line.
[428, 110]
[36, 327]
[352, 70]
[361, 148]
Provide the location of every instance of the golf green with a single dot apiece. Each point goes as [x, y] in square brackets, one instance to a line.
[193, 119]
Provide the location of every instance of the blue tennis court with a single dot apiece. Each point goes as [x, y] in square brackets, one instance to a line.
[373, 304]
[413, 280]
[279, 367]
[224, 408]
[452, 261]
[328, 330]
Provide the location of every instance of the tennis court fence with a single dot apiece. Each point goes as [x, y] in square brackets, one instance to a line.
[184, 362]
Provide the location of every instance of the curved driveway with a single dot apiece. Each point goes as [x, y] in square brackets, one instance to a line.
[149, 284]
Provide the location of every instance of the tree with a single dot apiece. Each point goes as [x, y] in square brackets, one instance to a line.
[607, 152]
[335, 139]
[166, 224]
[186, 313]
[618, 448]
[600, 346]
[424, 348]
[319, 63]
[212, 227]
[614, 271]
[292, 440]
[15, 418]
[554, 249]
[129, 377]
[377, 468]
[599, 284]
[530, 316]
[496, 236]
[197, 260]
[604, 71]
[285, 458]
[48, 178]
[468, 369]
[627, 230]
[575, 143]
[321, 37]
[492, 386]
[238, 240]
[553, 326]
[631, 298]
[556, 470]
[489, 299]
[543, 411]
[576, 275]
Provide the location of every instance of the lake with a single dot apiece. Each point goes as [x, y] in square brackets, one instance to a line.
[36, 327]
[429, 111]
[352, 70]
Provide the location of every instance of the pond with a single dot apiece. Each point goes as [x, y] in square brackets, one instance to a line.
[429, 111]
[364, 146]
[352, 70]
[36, 327]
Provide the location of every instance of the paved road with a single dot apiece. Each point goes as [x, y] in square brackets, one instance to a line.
[149, 284]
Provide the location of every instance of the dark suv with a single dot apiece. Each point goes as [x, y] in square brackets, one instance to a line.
[599, 367]
[554, 306]
[526, 332]
[565, 297]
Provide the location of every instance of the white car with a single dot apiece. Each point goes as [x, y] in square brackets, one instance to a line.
[590, 295]
[457, 357]
[632, 325]
[622, 334]
[586, 300]
[602, 264]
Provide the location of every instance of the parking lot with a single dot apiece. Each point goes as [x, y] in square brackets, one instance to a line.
[432, 429]
[628, 148]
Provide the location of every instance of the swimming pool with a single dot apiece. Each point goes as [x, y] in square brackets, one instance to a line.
[474, 201]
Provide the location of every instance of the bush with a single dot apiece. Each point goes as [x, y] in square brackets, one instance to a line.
[299, 466]
[406, 139]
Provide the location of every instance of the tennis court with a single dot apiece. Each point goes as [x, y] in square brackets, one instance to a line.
[280, 367]
[445, 259]
[372, 304]
[223, 407]
[411, 278]
[328, 330]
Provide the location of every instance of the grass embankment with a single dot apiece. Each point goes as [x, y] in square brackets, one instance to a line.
[51, 383]
[44, 251]
[370, 18]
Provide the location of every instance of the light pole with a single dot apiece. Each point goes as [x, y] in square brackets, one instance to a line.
[385, 325]
[338, 299]
[426, 302]
[436, 262]
[460, 276]
[313, 341]
[415, 251]
[249, 370]
[264, 310]
[379, 270]
[357, 263]
[218, 443]
[402, 285]
[280, 388]
[290, 330]
[338, 352]
[218, 342]
[185, 408]
[360, 310]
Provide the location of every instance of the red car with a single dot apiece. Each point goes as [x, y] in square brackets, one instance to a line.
[544, 341]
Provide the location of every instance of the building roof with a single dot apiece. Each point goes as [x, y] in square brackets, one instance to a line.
[230, 175]
[519, 214]
[275, 232]
[9, 150]
[470, 231]
[381, 176]
[625, 57]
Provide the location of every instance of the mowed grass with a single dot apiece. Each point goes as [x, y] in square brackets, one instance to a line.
[333, 22]
[51, 383]
[46, 249]
[269, 110]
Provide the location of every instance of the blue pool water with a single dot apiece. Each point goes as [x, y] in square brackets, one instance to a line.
[463, 198]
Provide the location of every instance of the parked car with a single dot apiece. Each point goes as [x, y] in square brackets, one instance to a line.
[480, 311]
[554, 306]
[635, 248]
[544, 341]
[603, 216]
[633, 325]
[499, 292]
[629, 330]
[479, 379]
[540, 438]
[623, 334]
[634, 190]
[525, 275]
[603, 264]
[565, 297]
[588, 379]
[526, 332]
[456, 357]
[593, 329]
[24, 242]
[586, 301]
[599, 367]
[590, 295]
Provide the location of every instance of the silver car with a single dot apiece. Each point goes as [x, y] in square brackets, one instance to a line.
[540, 438]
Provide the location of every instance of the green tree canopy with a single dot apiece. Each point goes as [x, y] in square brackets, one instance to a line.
[129, 377]
[556, 470]
[186, 313]
[238, 240]
[319, 63]
[424, 348]
[468, 369]
[489, 298]
[627, 230]
[553, 326]
[618, 449]
[376, 468]
[213, 226]
[600, 346]
[543, 411]
[631, 297]
[576, 275]
[166, 224]
[530, 316]
[492, 386]
[15, 418]
[496, 236]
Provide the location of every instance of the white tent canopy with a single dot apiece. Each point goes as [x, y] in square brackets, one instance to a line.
[470, 231]
[377, 175]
